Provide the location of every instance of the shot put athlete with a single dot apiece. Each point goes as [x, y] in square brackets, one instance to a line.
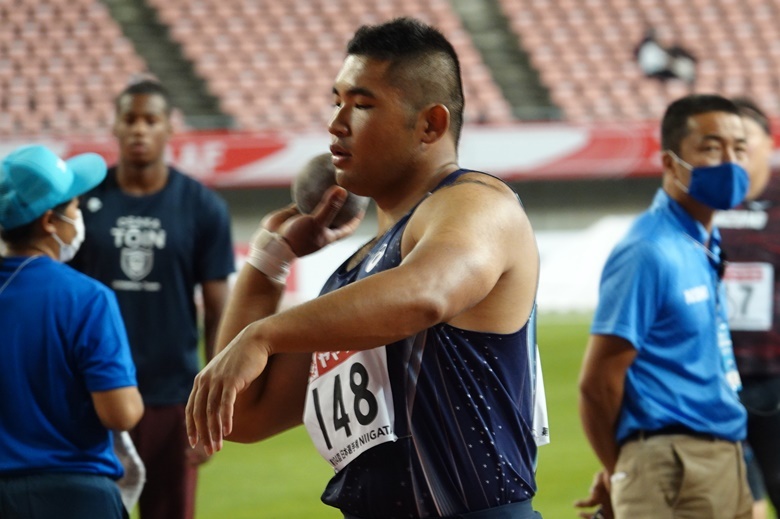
[414, 371]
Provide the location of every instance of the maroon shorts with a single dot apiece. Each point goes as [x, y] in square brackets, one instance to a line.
[161, 440]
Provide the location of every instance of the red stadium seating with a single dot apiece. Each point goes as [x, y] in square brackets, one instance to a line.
[584, 51]
[272, 63]
[61, 63]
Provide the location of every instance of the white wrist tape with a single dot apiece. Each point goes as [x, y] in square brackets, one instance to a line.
[270, 254]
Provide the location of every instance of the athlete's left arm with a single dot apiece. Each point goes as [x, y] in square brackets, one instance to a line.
[215, 296]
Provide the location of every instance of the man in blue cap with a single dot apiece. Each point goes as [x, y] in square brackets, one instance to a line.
[67, 378]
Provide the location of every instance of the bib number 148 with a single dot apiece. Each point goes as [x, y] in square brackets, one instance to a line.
[364, 404]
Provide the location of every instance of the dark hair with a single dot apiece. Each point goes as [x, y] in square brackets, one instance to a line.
[146, 87]
[674, 126]
[24, 233]
[423, 64]
[748, 108]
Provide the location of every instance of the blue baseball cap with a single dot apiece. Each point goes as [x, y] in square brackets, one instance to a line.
[33, 180]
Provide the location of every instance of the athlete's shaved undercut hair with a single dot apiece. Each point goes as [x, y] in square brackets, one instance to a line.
[423, 64]
[674, 125]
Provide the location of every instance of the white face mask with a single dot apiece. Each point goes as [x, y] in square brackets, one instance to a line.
[69, 250]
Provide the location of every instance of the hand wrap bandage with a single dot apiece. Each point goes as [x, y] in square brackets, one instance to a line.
[270, 254]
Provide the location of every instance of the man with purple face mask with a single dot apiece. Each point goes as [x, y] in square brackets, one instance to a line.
[658, 388]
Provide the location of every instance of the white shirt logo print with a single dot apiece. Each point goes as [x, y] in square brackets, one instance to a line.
[375, 258]
[94, 204]
[137, 237]
[696, 294]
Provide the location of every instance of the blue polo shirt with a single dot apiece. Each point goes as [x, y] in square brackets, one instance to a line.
[660, 291]
[61, 339]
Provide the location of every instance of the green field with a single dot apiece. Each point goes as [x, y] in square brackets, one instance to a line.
[284, 476]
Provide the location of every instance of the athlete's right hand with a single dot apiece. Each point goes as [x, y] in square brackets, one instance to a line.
[308, 233]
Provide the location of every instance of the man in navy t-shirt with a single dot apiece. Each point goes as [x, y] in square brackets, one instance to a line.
[154, 235]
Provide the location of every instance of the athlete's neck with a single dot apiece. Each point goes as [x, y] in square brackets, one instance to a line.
[141, 180]
[391, 210]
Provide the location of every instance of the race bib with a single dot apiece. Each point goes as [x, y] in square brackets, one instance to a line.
[349, 404]
[749, 290]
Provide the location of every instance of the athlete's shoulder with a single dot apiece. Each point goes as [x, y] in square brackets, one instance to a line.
[479, 184]
[465, 175]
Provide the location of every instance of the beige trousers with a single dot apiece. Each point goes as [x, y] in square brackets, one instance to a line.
[680, 477]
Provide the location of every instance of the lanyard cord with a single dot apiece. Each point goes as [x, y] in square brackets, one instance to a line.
[718, 262]
[15, 272]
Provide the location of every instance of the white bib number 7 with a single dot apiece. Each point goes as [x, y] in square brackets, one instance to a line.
[349, 404]
[750, 293]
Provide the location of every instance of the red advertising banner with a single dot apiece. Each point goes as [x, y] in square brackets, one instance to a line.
[534, 151]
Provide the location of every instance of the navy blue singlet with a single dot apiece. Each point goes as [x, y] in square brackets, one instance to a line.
[463, 403]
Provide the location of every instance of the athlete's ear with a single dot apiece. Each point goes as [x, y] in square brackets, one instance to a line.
[436, 123]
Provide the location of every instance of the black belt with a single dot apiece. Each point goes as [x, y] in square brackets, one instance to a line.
[669, 429]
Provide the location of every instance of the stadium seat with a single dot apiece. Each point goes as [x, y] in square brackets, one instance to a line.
[582, 47]
[295, 49]
[271, 63]
[66, 52]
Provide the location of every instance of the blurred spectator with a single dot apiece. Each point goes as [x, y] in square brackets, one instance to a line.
[750, 233]
[154, 235]
[660, 62]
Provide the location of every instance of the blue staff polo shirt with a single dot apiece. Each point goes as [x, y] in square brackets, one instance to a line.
[62, 338]
[660, 291]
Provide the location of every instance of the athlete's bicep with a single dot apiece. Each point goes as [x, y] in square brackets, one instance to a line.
[461, 241]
